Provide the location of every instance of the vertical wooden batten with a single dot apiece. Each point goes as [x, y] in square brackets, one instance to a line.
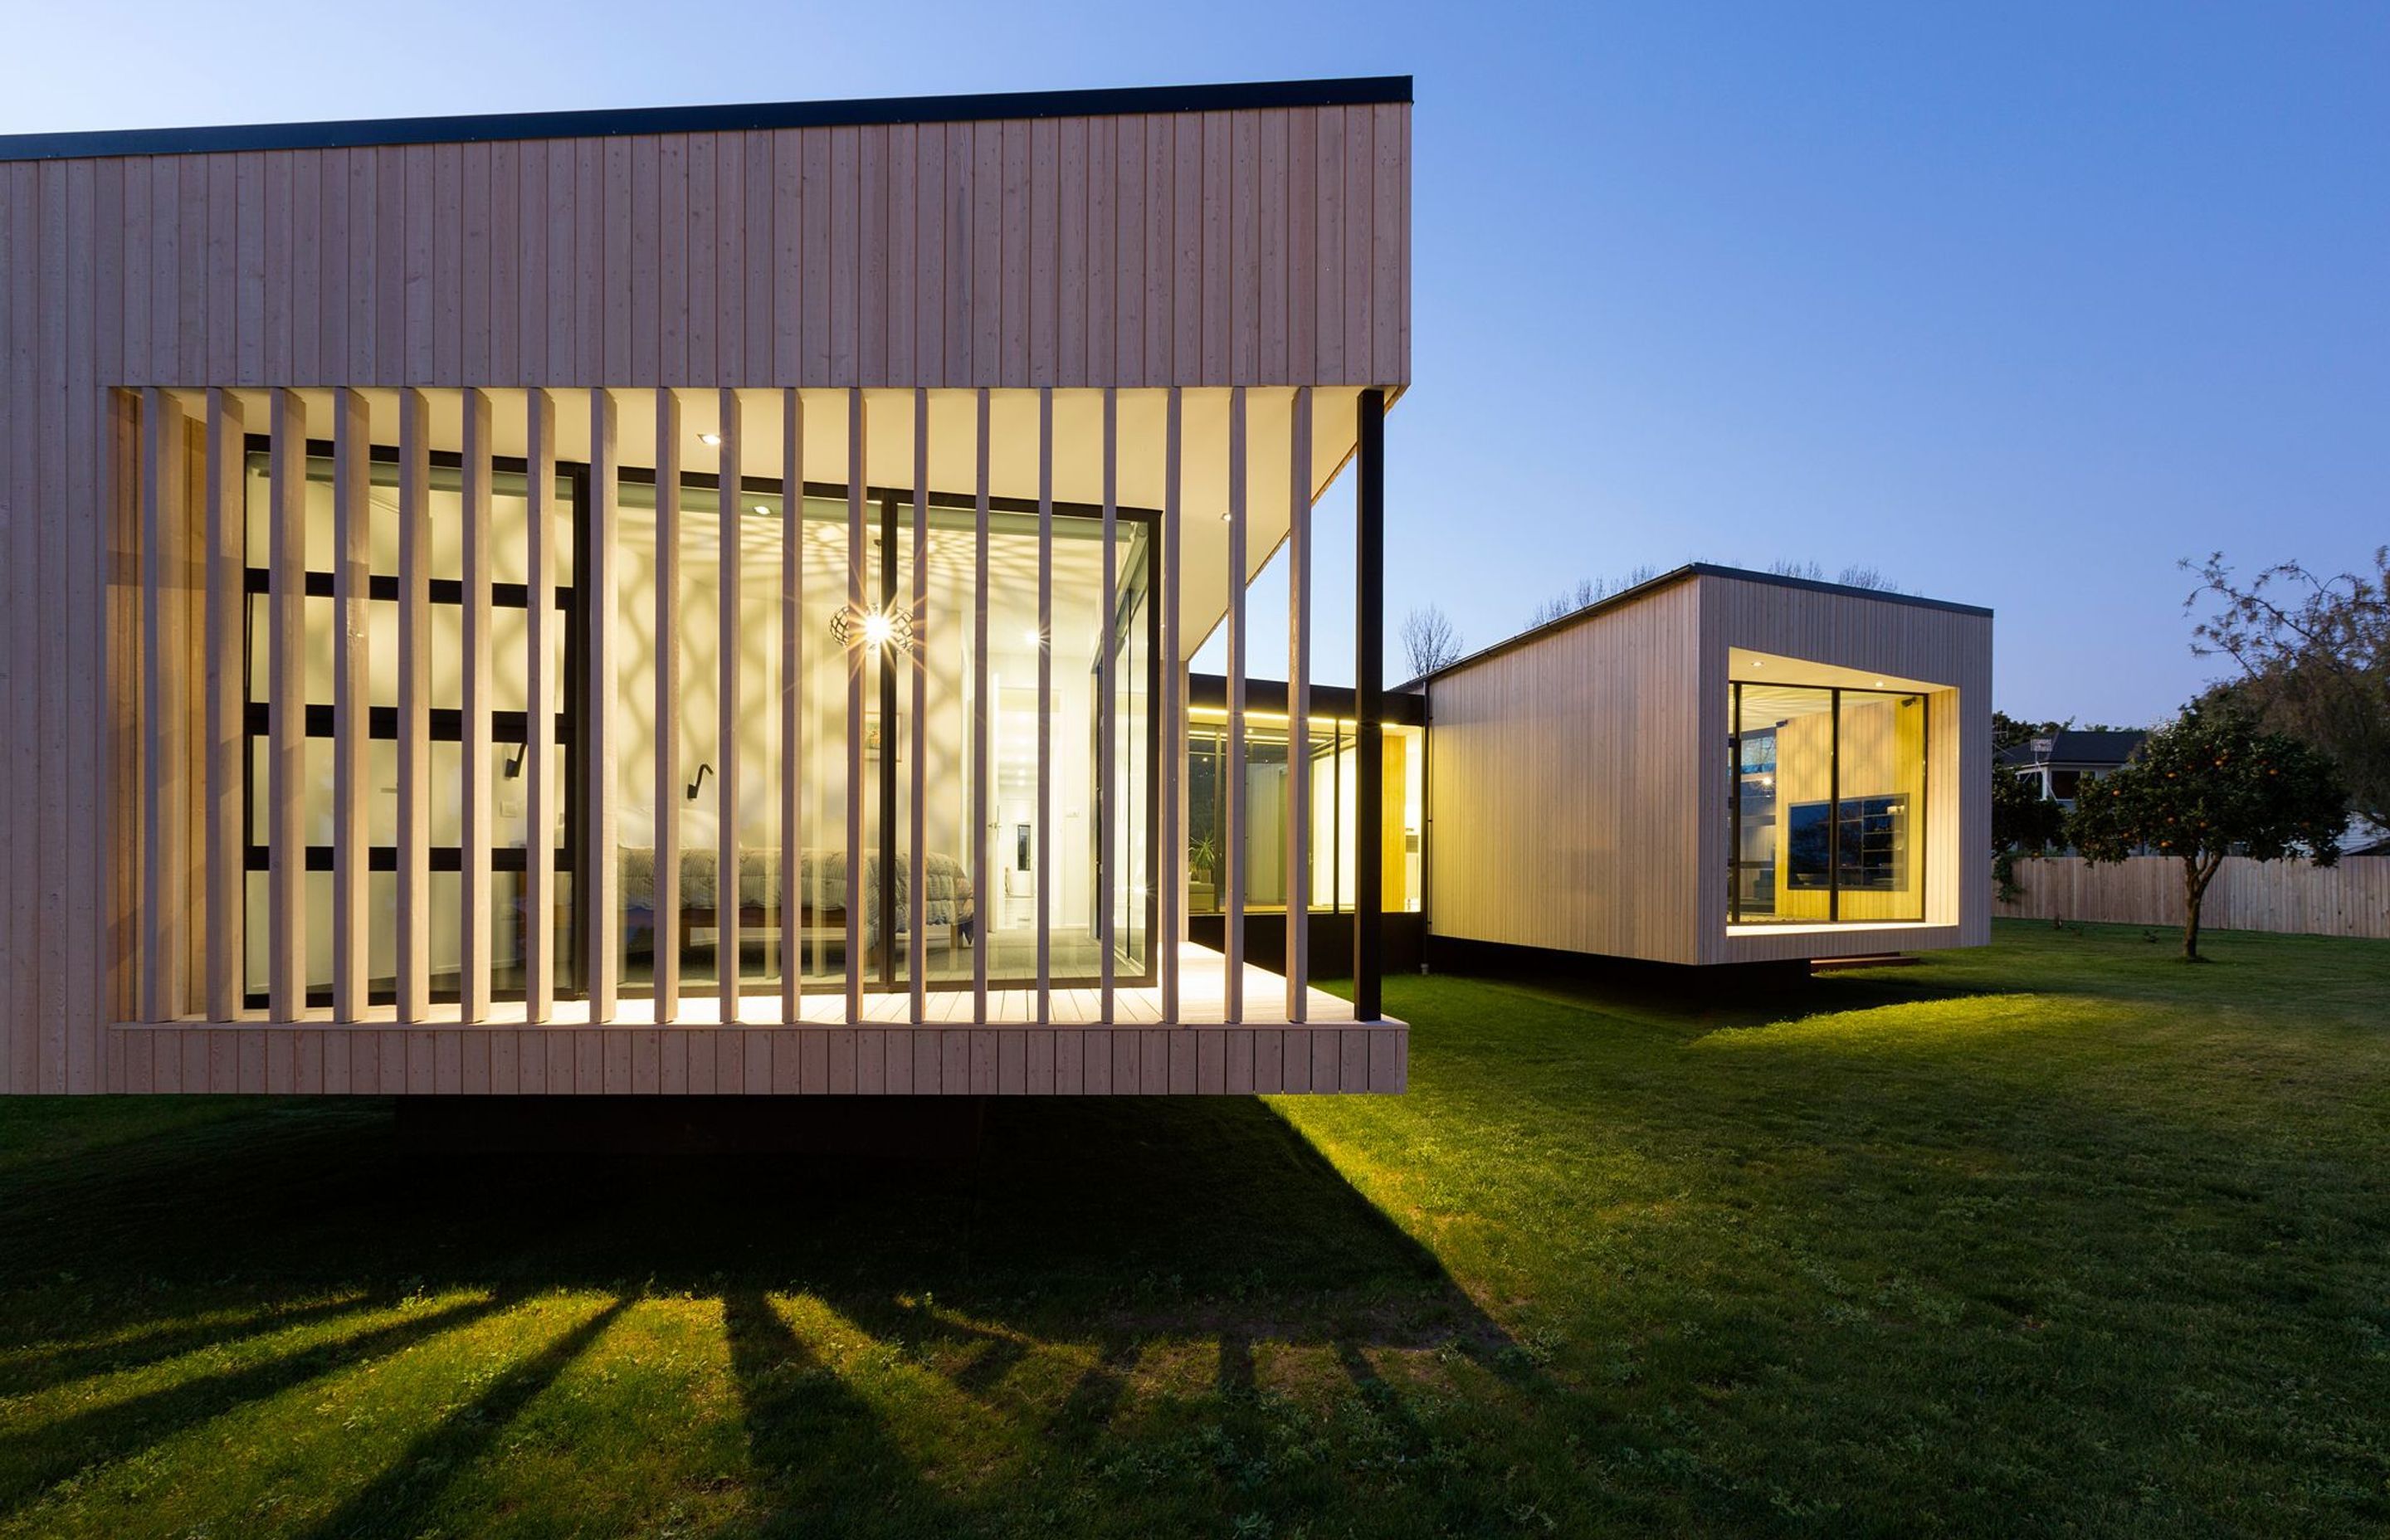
[601, 947]
[665, 885]
[287, 711]
[351, 706]
[793, 777]
[856, 545]
[1172, 856]
[228, 687]
[729, 513]
[476, 759]
[1108, 721]
[983, 816]
[414, 706]
[1044, 880]
[1298, 709]
[164, 971]
[916, 658]
[541, 636]
[1232, 844]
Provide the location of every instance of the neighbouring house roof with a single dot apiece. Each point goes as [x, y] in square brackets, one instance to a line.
[2074, 750]
[2365, 838]
[1363, 91]
[1667, 580]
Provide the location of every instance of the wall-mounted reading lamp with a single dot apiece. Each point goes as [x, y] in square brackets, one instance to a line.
[702, 771]
[514, 766]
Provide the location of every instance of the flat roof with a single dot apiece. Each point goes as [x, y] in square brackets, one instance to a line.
[1693, 569]
[1400, 708]
[1359, 91]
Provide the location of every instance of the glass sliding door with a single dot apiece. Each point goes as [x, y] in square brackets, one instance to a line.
[1335, 834]
[1878, 807]
[737, 778]
[964, 909]
[1086, 623]
[1826, 805]
[1128, 799]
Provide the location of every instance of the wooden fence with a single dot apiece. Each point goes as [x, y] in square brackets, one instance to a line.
[2352, 899]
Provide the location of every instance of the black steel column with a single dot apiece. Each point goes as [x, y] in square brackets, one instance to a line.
[1734, 809]
[1369, 711]
[1834, 808]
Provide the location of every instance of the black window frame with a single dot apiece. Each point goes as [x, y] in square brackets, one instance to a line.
[1836, 815]
[891, 504]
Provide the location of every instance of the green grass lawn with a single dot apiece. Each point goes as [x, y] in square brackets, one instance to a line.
[2059, 1237]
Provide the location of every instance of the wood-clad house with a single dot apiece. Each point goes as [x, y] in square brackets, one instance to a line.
[1716, 766]
[688, 600]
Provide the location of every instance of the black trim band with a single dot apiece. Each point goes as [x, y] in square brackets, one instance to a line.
[1364, 91]
[1681, 574]
[383, 588]
[446, 723]
[384, 859]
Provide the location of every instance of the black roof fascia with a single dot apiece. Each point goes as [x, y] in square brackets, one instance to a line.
[1360, 91]
[1210, 692]
[1680, 574]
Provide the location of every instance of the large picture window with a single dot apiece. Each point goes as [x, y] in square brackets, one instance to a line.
[1826, 814]
[510, 599]
[1335, 834]
[966, 909]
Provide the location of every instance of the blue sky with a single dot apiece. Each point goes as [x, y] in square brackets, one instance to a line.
[2016, 304]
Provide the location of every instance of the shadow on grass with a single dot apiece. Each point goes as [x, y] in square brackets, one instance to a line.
[1686, 999]
[817, 1448]
[1103, 1224]
[32, 1461]
[38, 1369]
[402, 1498]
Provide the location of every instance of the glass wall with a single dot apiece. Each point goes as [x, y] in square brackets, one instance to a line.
[965, 909]
[1334, 834]
[737, 778]
[1827, 807]
[509, 638]
[1086, 623]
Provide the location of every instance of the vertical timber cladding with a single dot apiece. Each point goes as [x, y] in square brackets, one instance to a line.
[1944, 645]
[1580, 779]
[1259, 236]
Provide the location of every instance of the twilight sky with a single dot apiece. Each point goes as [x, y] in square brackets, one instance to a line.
[2016, 304]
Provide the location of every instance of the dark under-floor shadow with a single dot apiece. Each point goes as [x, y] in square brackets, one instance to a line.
[1099, 1225]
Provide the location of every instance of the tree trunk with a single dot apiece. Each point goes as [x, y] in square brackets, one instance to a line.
[2195, 876]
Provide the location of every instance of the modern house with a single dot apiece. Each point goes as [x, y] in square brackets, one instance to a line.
[1332, 787]
[1716, 766]
[685, 600]
[2060, 762]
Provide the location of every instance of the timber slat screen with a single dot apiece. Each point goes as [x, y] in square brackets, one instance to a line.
[350, 488]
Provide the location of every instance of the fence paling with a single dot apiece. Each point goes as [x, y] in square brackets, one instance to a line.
[2291, 897]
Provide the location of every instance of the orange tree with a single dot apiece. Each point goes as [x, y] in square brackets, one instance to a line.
[2210, 785]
